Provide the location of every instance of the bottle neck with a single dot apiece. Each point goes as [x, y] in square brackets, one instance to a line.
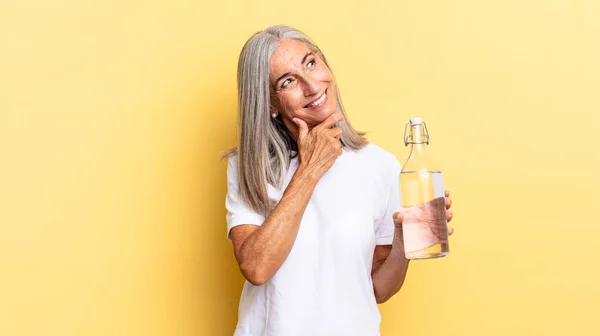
[418, 140]
[418, 160]
[417, 149]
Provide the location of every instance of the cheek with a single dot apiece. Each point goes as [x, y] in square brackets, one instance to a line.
[291, 101]
[324, 74]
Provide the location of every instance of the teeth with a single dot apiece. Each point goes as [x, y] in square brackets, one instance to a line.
[318, 101]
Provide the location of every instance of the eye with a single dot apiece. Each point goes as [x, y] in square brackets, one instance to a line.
[311, 63]
[286, 82]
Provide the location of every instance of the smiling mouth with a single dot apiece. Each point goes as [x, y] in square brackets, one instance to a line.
[319, 102]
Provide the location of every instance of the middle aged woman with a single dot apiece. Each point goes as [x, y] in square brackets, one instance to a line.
[313, 208]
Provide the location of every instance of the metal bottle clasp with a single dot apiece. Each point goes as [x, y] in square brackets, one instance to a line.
[407, 138]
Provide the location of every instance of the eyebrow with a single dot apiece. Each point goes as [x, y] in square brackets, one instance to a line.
[288, 73]
[306, 56]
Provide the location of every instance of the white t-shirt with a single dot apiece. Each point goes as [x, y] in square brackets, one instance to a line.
[324, 287]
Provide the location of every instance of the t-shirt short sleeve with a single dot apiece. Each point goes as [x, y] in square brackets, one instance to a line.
[385, 231]
[238, 211]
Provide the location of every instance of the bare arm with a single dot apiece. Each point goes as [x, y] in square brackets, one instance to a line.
[389, 268]
[261, 250]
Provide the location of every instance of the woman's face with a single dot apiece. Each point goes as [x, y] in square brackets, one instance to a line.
[302, 85]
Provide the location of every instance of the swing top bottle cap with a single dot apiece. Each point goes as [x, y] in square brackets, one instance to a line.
[416, 121]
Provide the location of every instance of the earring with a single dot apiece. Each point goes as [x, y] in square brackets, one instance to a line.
[274, 115]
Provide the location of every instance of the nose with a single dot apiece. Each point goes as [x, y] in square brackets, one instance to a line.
[311, 87]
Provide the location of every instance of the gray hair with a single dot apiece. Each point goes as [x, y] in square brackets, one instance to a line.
[264, 143]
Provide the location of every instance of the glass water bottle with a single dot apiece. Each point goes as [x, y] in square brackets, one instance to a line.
[421, 185]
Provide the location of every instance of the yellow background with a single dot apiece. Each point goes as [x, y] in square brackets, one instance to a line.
[113, 115]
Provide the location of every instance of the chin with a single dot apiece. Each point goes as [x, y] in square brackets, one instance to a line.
[316, 117]
[319, 116]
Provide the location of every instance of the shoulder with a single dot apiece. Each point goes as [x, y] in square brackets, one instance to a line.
[232, 159]
[378, 158]
[232, 166]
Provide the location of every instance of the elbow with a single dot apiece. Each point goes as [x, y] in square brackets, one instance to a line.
[384, 296]
[256, 281]
[381, 298]
[255, 275]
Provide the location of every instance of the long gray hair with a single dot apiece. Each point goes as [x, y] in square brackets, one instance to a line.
[264, 143]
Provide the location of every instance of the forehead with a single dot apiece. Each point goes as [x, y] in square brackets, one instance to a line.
[287, 56]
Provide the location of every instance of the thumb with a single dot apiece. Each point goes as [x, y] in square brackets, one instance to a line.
[398, 218]
[302, 128]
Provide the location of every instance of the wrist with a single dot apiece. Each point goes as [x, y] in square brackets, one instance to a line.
[398, 243]
[306, 174]
[398, 235]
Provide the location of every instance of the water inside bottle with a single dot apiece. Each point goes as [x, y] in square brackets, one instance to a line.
[424, 225]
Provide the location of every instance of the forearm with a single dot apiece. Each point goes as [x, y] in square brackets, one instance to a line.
[264, 251]
[389, 276]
